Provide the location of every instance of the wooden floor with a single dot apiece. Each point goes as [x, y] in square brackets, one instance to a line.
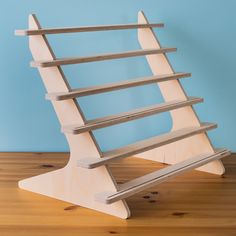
[193, 204]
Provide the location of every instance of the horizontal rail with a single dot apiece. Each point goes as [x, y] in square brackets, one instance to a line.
[130, 115]
[144, 145]
[114, 86]
[102, 57]
[139, 184]
[28, 32]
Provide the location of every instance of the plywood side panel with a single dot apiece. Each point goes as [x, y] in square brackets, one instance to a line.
[181, 118]
[71, 184]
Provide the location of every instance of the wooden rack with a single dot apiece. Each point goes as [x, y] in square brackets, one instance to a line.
[87, 179]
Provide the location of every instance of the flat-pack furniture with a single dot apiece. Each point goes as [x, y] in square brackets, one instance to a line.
[87, 179]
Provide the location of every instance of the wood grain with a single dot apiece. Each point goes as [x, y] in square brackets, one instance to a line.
[195, 203]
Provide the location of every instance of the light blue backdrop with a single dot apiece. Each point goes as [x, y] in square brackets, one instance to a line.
[204, 31]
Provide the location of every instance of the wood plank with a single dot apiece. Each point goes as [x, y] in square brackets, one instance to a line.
[139, 184]
[27, 32]
[130, 115]
[101, 57]
[195, 203]
[59, 96]
[144, 145]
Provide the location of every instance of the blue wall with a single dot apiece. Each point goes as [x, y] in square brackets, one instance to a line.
[203, 31]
